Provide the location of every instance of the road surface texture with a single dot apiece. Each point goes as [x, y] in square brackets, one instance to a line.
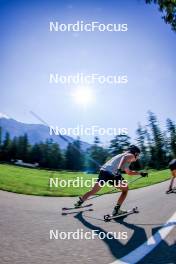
[26, 221]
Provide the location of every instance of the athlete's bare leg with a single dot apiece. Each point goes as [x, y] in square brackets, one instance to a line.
[93, 191]
[121, 199]
[123, 195]
[172, 179]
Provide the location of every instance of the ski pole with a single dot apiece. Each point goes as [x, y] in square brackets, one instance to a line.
[135, 180]
[128, 183]
[114, 190]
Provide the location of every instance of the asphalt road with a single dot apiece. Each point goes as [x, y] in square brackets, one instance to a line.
[26, 222]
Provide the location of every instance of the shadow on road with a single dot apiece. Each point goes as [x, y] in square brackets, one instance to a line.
[116, 248]
[138, 237]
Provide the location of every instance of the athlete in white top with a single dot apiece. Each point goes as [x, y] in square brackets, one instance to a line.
[121, 161]
[172, 167]
[111, 172]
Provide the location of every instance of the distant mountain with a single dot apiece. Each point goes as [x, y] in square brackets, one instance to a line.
[36, 133]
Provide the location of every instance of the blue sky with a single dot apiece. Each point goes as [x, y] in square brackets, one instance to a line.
[29, 52]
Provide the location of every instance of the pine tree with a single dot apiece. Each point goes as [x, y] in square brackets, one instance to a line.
[55, 159]
[0, 136]
[6, 148]
[14, 148]
[97, 156]
[171, 127]
[74, 158]
[168, 9]
[45, 153]
[23, 148]
[1, 154]
[157, 148]
[151, 150]
[119, 144]
[142, 143]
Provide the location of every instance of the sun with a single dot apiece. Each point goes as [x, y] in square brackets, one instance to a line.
[83, 96]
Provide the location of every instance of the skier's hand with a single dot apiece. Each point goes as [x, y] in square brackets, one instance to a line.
[118, 174]
[144, 174]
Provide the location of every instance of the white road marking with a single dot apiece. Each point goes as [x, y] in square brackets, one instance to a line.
[139, 253]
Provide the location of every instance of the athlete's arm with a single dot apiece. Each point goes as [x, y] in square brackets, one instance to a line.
[130, 172]
[128, 158]
[122, 162]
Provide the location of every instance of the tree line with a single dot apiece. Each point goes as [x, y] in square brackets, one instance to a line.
[157, 149]
[168, 10]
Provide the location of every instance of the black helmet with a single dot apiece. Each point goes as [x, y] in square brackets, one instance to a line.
[172, 165]
[134, 149]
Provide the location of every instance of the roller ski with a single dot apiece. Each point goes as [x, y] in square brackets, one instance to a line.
[118, 213]
[173, 190]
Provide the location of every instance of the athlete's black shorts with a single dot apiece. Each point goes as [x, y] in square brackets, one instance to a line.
[172, 165]
[105, 176]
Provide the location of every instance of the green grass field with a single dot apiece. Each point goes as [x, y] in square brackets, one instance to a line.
[36, 181]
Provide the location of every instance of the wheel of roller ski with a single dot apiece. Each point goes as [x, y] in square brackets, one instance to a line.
[107, 218]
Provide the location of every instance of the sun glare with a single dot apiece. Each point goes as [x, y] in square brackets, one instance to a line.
[83, 96]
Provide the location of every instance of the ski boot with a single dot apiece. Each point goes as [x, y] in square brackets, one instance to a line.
[170, 190]
[79, 203]
[117, 211]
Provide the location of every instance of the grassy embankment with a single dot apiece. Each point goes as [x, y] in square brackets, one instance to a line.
[36, 181]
